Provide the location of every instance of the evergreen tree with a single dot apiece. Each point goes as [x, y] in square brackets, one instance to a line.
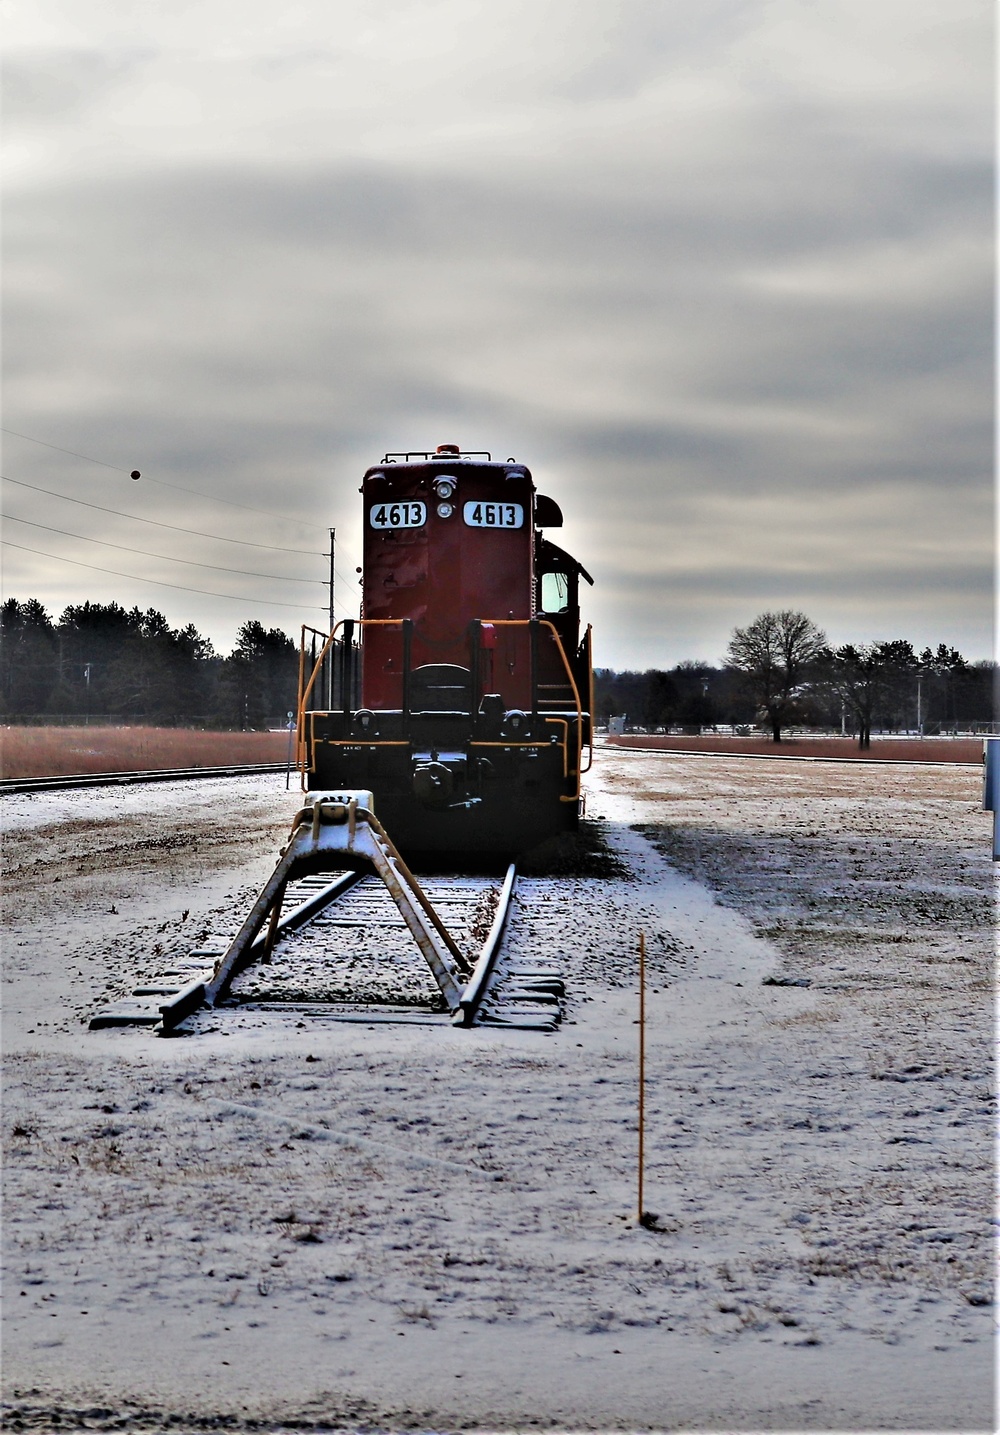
[260, 677]
[29, 657]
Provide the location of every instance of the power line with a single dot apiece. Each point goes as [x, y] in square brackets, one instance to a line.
[144, 553]
[157, 583]
[133, 473]
[351, 582]
[70, 451]
[216, 537]
[116, 468]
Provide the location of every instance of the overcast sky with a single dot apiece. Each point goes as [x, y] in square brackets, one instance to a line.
[719, 271]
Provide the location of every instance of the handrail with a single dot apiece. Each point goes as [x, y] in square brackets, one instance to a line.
[545, 623]
[300, 747]
[300, 742]
[590, 682]
[363, 623]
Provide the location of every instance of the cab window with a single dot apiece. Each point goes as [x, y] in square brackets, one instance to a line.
[555, 592]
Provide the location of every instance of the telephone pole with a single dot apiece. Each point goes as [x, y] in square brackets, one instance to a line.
[333, 540]
[329, 651]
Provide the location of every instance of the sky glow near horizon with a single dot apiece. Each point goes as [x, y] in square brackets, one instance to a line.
[720, 272]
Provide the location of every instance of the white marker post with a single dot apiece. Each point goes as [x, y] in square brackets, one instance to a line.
[991, 787]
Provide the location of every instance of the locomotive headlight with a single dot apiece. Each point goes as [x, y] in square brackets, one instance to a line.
[445, 510]
[444, 487]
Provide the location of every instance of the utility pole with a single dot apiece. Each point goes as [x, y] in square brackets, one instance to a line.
[333, 544]
[329, 651]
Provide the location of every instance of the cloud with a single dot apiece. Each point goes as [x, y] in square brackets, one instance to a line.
[720, 273]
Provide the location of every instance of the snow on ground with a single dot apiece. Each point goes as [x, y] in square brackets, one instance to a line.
[413, 1227]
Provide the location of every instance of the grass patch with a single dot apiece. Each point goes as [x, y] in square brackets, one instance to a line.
[66, 751]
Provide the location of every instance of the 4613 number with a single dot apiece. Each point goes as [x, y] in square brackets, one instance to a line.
[493, 515]
[398, 515]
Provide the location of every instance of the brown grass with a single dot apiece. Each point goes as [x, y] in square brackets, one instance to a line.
[929, 749]
[57, 751]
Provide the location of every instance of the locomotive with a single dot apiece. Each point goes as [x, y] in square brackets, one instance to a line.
[462, 697]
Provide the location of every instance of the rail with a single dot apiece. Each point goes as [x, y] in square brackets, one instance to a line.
[478, 983]
[67, 781]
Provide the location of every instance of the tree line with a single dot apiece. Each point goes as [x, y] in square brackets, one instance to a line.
[102, 659]
[780, 671]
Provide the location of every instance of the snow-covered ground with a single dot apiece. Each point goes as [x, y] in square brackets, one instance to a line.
[243, 1225]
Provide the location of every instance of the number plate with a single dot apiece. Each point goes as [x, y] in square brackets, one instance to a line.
[398, 515]
[493, 515]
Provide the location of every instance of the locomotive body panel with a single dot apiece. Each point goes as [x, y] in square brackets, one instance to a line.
[466, 555]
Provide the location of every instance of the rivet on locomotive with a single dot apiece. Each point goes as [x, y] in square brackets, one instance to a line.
[462, 698]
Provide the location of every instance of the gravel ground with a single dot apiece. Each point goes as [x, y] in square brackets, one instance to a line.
[333, 1226]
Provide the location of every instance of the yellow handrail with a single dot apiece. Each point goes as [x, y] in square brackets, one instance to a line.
[300, 751]
[590, 695]
[363, 623]
[547, 623]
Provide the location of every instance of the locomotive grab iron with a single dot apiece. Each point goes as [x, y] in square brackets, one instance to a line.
[462, 697]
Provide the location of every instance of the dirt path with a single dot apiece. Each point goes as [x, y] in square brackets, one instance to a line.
[417, 1228]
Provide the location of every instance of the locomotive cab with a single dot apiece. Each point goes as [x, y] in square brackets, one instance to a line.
[461, 697]
[557, 590]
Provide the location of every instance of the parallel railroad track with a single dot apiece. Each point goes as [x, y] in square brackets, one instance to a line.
[113, 779]
[182, 774]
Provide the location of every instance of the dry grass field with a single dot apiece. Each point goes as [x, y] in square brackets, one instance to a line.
[892, 749]
[56, 751]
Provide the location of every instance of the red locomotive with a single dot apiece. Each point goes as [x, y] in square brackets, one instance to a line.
[462, 698]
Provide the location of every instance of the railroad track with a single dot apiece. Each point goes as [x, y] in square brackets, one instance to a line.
[342, 953]
[773, 756]
[183, 774]
[113, 779]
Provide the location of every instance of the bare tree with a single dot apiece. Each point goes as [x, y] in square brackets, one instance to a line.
[775, 655]
[865, 676]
